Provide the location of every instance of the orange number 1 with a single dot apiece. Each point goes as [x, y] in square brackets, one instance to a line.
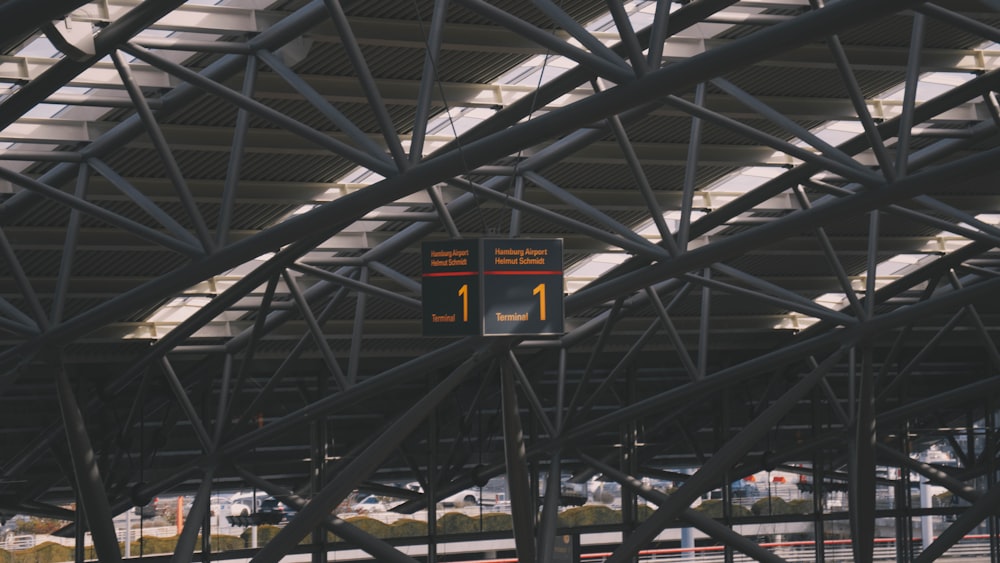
[464, 292]
[540, 292]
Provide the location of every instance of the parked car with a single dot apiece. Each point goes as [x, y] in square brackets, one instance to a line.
[371, 503]
[245, 504]
[468, 497]
[744, 489]
[218, 507]
[273, 511]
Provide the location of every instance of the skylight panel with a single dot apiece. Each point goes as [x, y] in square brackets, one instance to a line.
[930, 85]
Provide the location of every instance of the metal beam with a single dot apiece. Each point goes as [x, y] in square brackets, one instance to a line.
[706, 524]
[522, 500]
[672, 78]
[361, 466]
[369, 543]
[713, 470]
[86, 474]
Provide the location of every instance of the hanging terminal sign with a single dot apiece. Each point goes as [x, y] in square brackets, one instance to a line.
[492, 287]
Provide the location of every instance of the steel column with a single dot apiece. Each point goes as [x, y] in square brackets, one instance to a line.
[372, 545]
[361, 466]
[706, 303]
[718, 465]
[969, 519]
[546, 534]
[184, 550]
[706, 524]
[86, 475]
[522, 504]
[862, 466]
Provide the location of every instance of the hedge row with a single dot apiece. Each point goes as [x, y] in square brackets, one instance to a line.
[450, 524]
[53, 553]
[776, 505]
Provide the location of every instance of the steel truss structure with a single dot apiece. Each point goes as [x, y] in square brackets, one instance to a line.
[216, 166]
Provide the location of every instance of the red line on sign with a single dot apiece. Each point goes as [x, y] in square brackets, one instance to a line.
[448, 274]
[523, 272]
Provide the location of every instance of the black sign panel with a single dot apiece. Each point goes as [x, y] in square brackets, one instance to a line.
[451, 288]
[492, 287]
[522, 286]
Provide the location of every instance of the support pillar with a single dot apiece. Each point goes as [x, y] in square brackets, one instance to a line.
[521, 490]
[432, 479]
[318, 464]
[819, 534]
[862, 467]
[318, 456]
[990, 453]
[687, 542]
[926, 520]
[86, 474]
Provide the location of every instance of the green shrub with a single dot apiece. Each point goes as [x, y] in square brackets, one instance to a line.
[225, 543]
[374, 527]
[151, 545]
[456, 523]
[497, 522]
[801, 506]
[264, 535]
[46, 553]
[589, 515]
[714, 508]
[408, 528]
